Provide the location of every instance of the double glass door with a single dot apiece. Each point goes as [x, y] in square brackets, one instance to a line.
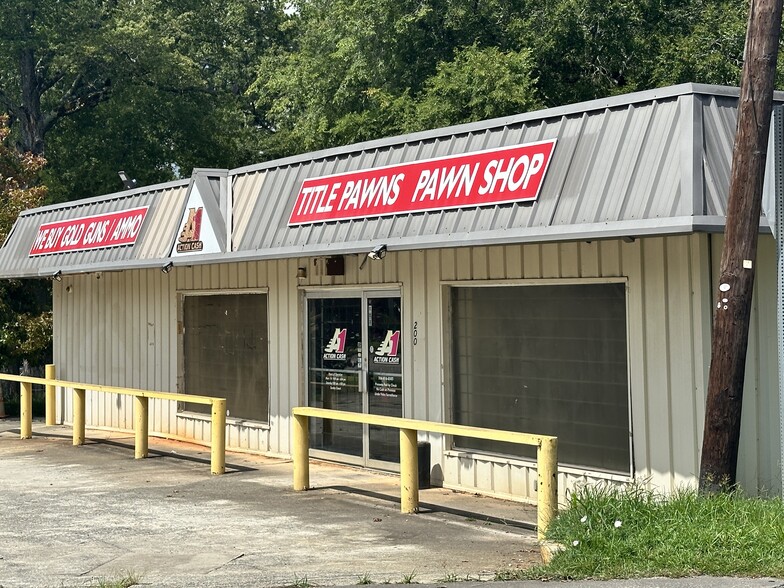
[354, 364]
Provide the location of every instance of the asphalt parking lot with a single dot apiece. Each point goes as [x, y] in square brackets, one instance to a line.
[75, 515]
[79, 516]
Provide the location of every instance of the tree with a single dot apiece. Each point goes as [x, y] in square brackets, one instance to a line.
[49, 67]
[362, 70]
[25, 321]
[155, 87]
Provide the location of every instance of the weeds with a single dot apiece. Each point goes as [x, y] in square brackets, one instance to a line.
[408, 578]
[364, 579]
[612, 532]
[300, 583]
[126, 581]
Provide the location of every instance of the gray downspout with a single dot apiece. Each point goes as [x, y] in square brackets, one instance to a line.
[778, 147]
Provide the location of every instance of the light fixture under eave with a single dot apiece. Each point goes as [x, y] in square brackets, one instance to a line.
[167, 268]
[302, 273]
[58, 276]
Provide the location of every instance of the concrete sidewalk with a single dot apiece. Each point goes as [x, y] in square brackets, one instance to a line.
[72, 516]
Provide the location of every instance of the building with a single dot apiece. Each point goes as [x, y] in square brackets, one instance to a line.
[551, 272]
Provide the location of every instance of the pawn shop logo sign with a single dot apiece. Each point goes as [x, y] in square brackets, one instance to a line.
[190, 236]
[387, 352]
[336, 348]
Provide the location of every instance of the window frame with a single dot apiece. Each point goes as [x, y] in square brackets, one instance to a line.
[233, 420]
[449, 384]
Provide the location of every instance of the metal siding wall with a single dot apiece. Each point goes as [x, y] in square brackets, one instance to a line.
[759, 465]
[667, 279]
[121, 330]
[116, 330]
[279, 279]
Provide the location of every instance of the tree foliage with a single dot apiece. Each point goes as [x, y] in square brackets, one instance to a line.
[25, 322]
[362, 69]
[152, 87]
[158, 87]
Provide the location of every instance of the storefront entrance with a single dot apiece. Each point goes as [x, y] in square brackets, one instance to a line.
[354, 364]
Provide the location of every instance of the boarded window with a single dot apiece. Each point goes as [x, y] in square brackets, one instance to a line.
[225, 353]
[548, 359]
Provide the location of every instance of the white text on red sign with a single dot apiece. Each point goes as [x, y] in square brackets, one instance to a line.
[89, 232]
[497, 176]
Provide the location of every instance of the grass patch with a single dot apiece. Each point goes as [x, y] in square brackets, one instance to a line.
[628, 532]
[302, 582]
[126, 581]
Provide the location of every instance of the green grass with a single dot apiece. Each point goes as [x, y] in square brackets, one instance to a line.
[126, 581]
[302, 582]
[408, 578]
[629, 532]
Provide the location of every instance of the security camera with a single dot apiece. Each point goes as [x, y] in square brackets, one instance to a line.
[378, 252]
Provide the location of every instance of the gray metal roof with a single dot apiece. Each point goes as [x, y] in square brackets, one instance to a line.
[165, 203]
[648, 163]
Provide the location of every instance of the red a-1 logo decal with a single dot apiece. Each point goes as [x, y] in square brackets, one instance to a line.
[338, 342]
[389, 346]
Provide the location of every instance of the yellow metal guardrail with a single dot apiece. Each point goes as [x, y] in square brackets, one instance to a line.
[546, 454]
[140, 412]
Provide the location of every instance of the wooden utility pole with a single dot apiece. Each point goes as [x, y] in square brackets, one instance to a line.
[738, 257]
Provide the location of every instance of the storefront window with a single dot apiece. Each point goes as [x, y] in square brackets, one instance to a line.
[549, 359]
[225, 353]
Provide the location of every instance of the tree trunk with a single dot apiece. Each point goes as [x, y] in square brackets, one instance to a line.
[736, 280]
[31, 119]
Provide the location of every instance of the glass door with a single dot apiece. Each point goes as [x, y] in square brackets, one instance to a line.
[354, 364]
[335, 372]
[384, 375]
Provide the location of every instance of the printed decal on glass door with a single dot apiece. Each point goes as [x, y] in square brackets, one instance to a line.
[384, 375]
[335, 371]
[345, 374]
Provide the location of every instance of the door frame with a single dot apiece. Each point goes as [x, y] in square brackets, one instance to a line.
[363, 293]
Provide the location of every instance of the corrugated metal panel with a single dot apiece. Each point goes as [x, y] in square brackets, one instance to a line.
[157, 241]
[614, 167]
[720, 115]
[117, 330]
[155, 237]
[623, 166]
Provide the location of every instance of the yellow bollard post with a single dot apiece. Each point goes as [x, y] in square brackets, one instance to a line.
[79, 415]
[51, 418]
[300, 452]
[26, 410]
[218, 437]
[141, 426]
[547, 486]
[409, 478]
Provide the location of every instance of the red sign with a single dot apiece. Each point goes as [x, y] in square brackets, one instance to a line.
[89, 232]
[496, 176]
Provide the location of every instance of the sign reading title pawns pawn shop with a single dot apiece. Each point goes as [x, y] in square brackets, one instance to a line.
[481, 178]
